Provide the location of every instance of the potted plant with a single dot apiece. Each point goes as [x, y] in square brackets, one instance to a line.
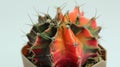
[67, 40]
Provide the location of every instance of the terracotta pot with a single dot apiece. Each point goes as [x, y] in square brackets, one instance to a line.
[28, 63]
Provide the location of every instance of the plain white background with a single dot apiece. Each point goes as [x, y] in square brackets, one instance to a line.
[14, 24]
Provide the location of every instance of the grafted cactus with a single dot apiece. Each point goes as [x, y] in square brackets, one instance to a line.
[68, 40]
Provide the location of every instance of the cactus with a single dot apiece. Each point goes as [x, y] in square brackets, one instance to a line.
[67, 40]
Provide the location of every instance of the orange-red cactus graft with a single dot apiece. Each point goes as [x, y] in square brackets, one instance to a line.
[59, 14]
[75, 13]
[71, 41]
[83, 21]
[58, 43]
[93, 21]
[93, 43]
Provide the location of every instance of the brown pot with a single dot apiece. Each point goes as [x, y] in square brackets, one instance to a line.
[28, 63]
